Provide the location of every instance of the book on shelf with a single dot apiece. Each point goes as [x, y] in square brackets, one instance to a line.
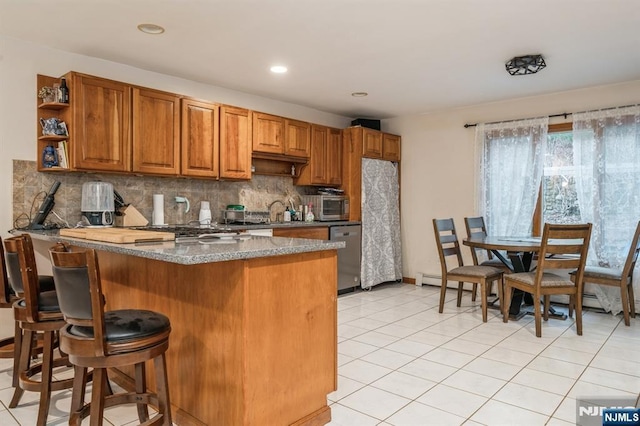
[63, 157]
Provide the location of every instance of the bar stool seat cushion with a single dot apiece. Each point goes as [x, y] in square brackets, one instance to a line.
[47, 302]
[127, 324]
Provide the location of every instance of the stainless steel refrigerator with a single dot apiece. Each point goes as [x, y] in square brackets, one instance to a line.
[381, 245]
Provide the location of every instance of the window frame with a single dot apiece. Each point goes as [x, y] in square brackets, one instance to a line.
[536, 221]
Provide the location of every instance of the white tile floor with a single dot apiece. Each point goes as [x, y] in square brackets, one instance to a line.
[402, 363]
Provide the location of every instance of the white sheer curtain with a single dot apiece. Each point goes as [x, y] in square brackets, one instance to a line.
[510, 164]
[606, 147]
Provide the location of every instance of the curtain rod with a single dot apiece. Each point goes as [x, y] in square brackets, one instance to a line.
[564, 114]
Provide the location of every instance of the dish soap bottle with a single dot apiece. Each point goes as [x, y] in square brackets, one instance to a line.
[309, 217]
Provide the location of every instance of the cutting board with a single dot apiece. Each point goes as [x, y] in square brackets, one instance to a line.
[117, 235]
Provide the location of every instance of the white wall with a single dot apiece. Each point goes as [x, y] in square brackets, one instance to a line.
[437, 151]
[20, 62]
[438, 162]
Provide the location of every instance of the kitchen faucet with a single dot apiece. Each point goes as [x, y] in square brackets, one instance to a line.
[277, 214]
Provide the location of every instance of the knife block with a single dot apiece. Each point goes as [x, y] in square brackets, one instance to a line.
[130, 216]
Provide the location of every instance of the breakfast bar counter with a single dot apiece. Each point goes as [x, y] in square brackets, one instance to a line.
[253, 323]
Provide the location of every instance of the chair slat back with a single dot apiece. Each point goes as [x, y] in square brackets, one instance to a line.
[79, 289]
[632, 257]
[564, 247]
[447, 242]
[476, 228]
[21, 264]
[5, 289]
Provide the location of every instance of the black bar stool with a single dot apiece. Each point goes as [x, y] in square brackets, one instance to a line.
[37, 312]
[97, 339]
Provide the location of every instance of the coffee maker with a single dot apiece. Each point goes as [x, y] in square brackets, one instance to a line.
[98, 206]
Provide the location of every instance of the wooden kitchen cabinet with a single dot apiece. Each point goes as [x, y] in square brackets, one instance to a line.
[318, 161]
[354, 147]
[100, 127]
[383, 146]
[390, 147]
[334, 156]
[313, 233]
[268, 133]
[297, 138]
[371, 143]
[156, 132]
[235, 143]
[199, 140]
[325, 161]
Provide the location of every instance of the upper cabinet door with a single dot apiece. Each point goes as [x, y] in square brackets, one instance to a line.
[156, 132]
[199, 141]
[371, 143]
[235, 143]
[297, 138]
[390, 147]
[318, 162]
[334, 156]
[101, 120]
[268, 132]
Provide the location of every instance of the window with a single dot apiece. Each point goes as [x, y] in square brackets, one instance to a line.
[585, 171]
[558, 195]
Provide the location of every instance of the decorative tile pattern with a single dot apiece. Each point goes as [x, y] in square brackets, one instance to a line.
[30, 187]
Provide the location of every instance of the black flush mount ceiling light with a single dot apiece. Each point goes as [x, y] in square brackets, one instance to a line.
[528, 64]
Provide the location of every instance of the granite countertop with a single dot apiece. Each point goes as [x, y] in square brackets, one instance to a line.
[293, 224]
[196, 252]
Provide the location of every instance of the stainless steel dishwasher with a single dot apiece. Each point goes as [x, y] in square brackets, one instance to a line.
[348, 257]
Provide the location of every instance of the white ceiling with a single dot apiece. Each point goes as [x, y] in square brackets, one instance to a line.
[411, 56]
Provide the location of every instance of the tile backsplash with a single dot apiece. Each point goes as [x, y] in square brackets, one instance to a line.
[30, 187]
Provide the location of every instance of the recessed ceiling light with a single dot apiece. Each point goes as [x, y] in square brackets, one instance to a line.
[359, 94]
[151, 28]
[278, 69]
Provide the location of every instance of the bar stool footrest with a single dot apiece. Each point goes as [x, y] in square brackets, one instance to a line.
[26, 383]
[123, 398]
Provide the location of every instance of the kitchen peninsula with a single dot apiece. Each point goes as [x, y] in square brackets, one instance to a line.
[254, 323]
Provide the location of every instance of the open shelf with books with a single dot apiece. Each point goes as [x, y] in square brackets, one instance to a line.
[52, 124]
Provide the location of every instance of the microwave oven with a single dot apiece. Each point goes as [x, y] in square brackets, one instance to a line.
[328, 207]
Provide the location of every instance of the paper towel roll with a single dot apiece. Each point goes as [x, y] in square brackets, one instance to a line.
[158, 210]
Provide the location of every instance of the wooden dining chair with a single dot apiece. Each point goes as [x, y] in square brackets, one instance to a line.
[562, 247]
[449, 247]
[616, 277]
[476, 228]
[99, 340]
